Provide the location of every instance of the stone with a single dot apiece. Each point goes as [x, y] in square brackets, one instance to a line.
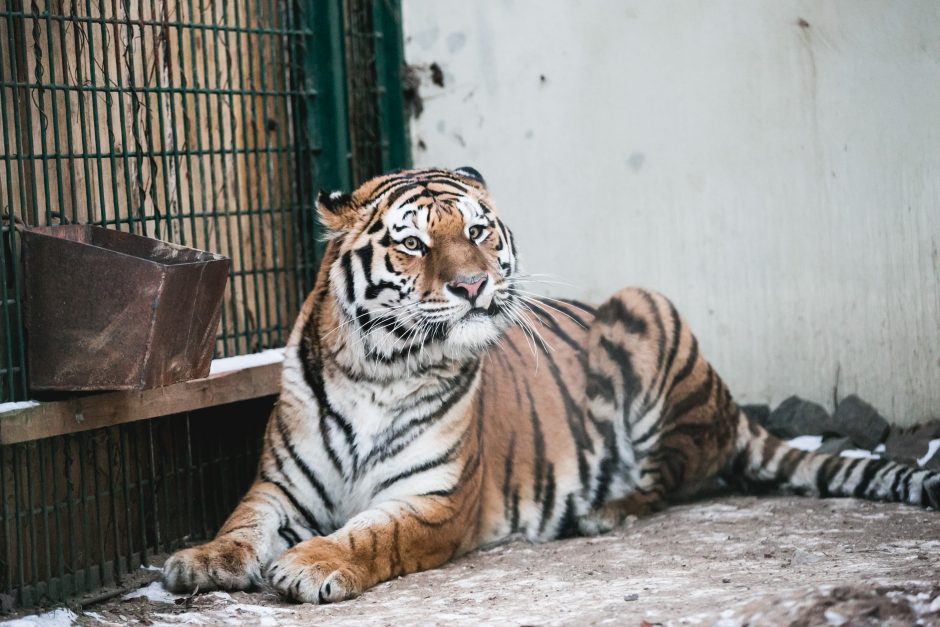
[757, 413]
[796, 416]
[835, 445]
[860, 421]
[910, 443]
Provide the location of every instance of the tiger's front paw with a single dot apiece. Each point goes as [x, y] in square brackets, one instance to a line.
[315, 571]
[218, 565]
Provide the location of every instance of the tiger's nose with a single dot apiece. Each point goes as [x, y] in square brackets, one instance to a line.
[468, 287]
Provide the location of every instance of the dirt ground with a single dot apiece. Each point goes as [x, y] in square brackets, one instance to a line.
[727, 561]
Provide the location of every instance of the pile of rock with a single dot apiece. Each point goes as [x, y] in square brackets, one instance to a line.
[853, 427]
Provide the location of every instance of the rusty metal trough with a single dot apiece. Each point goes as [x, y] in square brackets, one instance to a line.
[108, 310]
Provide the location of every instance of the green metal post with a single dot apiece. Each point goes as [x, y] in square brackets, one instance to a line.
[324, 64]
[390, 66]
[327, 119]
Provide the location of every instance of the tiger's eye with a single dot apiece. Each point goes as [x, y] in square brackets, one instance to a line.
[475, 231]
[412, 243]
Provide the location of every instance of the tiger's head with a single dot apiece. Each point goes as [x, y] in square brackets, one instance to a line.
[423, 263]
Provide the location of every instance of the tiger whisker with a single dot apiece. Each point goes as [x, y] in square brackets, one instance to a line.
[532, 327]
[520, 319]
[538, 301]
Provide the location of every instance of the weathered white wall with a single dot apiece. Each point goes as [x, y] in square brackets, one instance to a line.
[773, 167]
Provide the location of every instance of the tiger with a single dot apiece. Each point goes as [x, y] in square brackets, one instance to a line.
[430, 404]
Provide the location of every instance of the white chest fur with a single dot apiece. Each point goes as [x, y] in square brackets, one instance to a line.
[373, 432]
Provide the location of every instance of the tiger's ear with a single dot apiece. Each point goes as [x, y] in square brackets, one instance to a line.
[338, 212]
[471, 173]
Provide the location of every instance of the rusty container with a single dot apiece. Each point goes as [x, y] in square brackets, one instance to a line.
[108, 310]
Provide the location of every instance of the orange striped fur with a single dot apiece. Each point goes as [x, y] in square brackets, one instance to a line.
[429, 405]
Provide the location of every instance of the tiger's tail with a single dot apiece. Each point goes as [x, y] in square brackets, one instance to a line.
[763, 461]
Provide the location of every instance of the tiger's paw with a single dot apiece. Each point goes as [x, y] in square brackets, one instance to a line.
[315, 571]
[217, 565]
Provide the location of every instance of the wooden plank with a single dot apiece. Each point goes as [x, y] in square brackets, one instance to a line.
[112, 408]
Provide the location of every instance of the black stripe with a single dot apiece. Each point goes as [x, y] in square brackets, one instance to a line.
[399, 438]
[687, 367]
[538, 444]
[787, 466]
[906, 489]
[287, 534]
[898, 473]
[444, 458]
[673, 350]
[598, 385]
[575, 418]
[696, 399]
[325, 437]
[346, 263]
[507, 471]
[548, 503]
[395, 195]
[624, 360]
[771, 444]
[376, 225]
[278, 461]
[849, 469]
[873, 467]
[825, 474]
[602, 489]
[300, 463]
[568, 525]
[592, 311]
[307, 515]
[365, 259]
[347, 430]
[614, 311]
[660, 347]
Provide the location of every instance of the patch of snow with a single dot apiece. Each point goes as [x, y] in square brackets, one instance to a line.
[259, 610]
[806, 442]
[151, 567]
[101, 619]
[5, 407]
[186, 618]
[232, 614]
[229, 364]
[859, 453]
[931, 449]
[155, 593]
[62, 617]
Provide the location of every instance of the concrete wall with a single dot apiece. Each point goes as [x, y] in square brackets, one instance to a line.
[773, 167]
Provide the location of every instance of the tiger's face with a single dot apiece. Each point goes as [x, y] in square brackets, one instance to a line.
[423, 263]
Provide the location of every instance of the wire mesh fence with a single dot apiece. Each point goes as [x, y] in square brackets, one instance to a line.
[193, 122]
[208, 124]
[87, 510]
[168, 121]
